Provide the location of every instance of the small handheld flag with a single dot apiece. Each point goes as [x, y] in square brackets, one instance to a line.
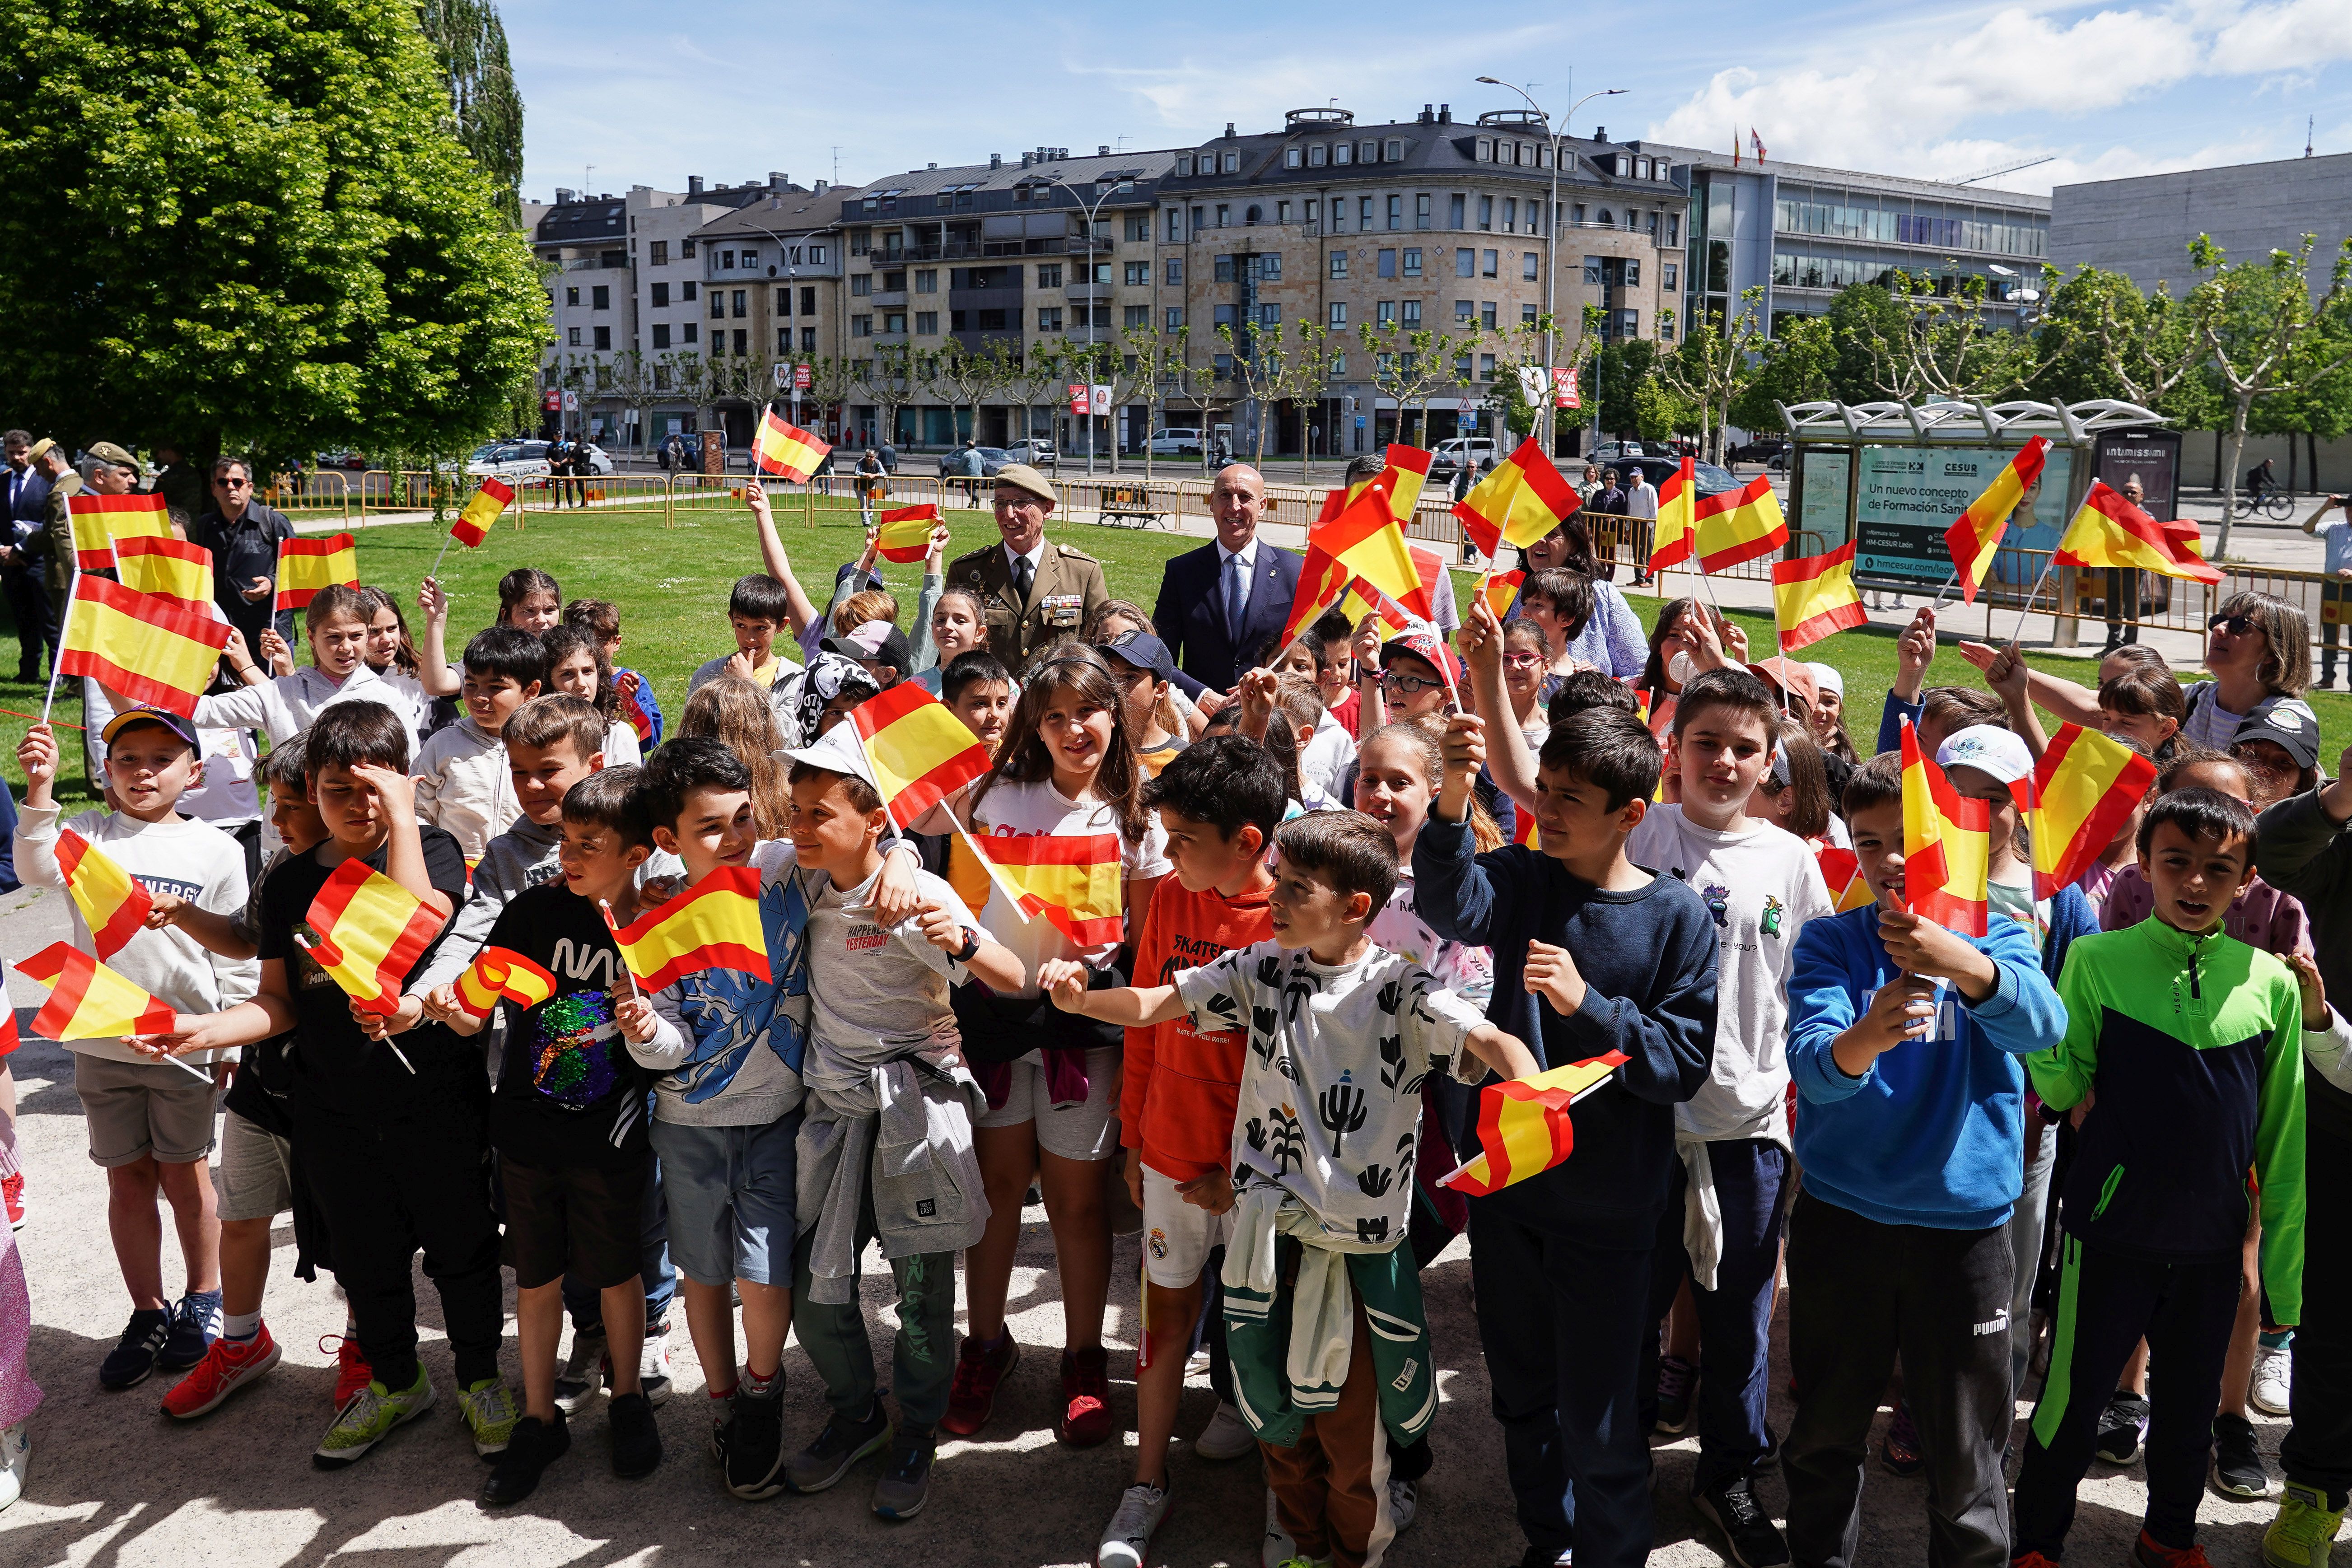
[1522, 500]
[1841, 870]
[1524, 1126]
[786, 451]
[148, 648]
[715, 924]
[1676, 528]
[113, 903]
[1503, 591]
[99, 521]
[906, 533]
[1072, 879]
[1946, 845]
[473, 524]
[2111, 532]
[307, 565]
[367, 933]
[1815, 596]
[500, 971]
[1738, 525]
[919, 751]
[1400, 481]
[1975, 535]
[2085, 788]
[1364, 597]
[88, 1001]
[632, 708]
[169, 569]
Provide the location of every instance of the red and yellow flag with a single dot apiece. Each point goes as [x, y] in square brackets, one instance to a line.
[714, 925]
[1503, 591]
[785, 450]
[1363, 542]
[1946, 845]
[2111, 532]
[632, 708]
[89, 1001]
[113, 903]
[1975, 534]
[1400, 481]
[1523, 499]
[1524, 1127]
[307, 565]
[1364, 597]
[367, 933]
[1815, 596]
[919, 751]
[149, 649]
[473, 524]
[1675, 533]
[1841, 869]
[1072, 879]
[99, 521]
[1738, 525]
[169, 569]
[2085, 788]
[501, 972]
[906, 532]
[1525, 831]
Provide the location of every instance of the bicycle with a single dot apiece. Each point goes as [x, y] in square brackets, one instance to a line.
[2275, 504]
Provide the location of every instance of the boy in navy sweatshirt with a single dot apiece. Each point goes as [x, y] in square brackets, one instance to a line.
[1568, 1252]
[1905, 1041]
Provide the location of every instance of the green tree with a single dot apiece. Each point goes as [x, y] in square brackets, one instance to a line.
[237, 224]
[1797, 365]
[469, 43]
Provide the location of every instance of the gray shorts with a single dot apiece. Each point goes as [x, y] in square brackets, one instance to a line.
[1086, 1130]
[256, 1171]
[135, 1109]
[732, 1194]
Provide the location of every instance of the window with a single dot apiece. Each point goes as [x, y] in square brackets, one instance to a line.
[927, 324]
[816, 255]
[1175, 271]
[1652, 227]
[751, 258]
[1224, 270]
[1364, 213]
[742, 343]
[1487, 212]
[861, 241]
[1049, 275]
[574, 341]
[1543, 154]
[1633, 273]
[1665, 326]
[1592, 270]
[1344, 152]
[657, 254]
[1396, 149]
[1368, 152]
[604, 337]
[1388, 264]
[1464, 312]
[1316, 156]
[1339, 369]
[1608, 220]
[1530, 266]
[685, 249]
[1673, 230]
[808, 302]
[1175, 222]
[1339, 214]
[1252, 216]
[1138, 274]
[717, 305]
[1486, 315]
[927, 280]
[1669, 274]
[1485, 148]
[1134, 316]
[1225, 214]
[1138, 227]
[894, 321]
[1223, 364]
[741, 300]
[1175, 322]
[1527, 313]
[861, 285]
[1412, 312]
[1629, 324]
[661, 293]
[1290, 157]
[1230, 164]
[1412, 261]
[661, 378]
[1049, 318]
[1268, 316]
[861, 326]
[1485, 367]
[1339, 264]
[1384, 314]
[1396, 212]
[690, 333]
[661, 335]
[1184, 166]
[1511, 214]
[1421, 210]
[571, 296]
[685, 291]
[1465, 264]
[956, 321]
[1487, 262]
[727, 260]
[1338, 315]
[1269, 267]
[1310, 212]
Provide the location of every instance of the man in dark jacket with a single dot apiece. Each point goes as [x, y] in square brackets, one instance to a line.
[244, 537]
[1219, 604]
[20, 573]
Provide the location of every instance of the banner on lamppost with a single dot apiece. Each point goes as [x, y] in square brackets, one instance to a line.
[1532, 380]
[802, 378]
[1098, 401]
[1078, 399]
[1563, 388]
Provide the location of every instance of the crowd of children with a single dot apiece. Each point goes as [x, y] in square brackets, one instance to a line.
[2083, 1142]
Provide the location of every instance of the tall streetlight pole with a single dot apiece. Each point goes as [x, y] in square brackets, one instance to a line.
[1061, 182]
[1551, 224]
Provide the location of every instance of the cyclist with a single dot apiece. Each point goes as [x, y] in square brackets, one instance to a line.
[2259, 480]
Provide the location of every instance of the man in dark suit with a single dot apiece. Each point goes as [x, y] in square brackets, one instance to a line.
[20, 574]
[1220, 602]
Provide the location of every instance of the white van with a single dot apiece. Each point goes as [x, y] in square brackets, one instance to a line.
[1477, 451]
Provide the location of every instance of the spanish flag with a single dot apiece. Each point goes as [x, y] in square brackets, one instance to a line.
[113, 903]
[1841, 869]
[99, 521]
[919, 751]
[1525, 831]
[89, 1001]
[169, 569]
[1738, 525]
[149, 649]
[1815, 596]
[1070, 879]
[2111, 532]
[367, 933]
[906, 532]
[307, 565]
[1363, 542]
[632, 708]
[785, 450]
[1524, 1127]
[714, 925]
[1364, 597]
[1503, 591]
[1946, 845]
[473, 524]
[1676, 530]
[1400, 481]
[1976, 534]
[1523, 499]
[2085, 788]
[501, 972]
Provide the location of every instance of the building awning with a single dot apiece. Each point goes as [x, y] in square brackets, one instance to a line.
[1971, 421]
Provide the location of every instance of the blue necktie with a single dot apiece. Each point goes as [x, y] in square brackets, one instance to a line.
[1236, 598]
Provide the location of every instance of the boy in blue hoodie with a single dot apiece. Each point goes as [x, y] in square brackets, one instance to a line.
[1905, 1042]
[1564, 1257]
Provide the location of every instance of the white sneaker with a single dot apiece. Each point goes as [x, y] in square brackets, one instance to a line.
[653, 1368]
[1404, 1502]
[1127, 1537]
[1278, 1548]
[1227, 1435]
[2274, 1377]
[15, 1463]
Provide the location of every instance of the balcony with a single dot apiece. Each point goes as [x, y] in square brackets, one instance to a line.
[889, 299]
[1100, 292]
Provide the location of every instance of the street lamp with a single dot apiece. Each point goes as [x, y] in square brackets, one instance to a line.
[1551, 224]
[1061, 182]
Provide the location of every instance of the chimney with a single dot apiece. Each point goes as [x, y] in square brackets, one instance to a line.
[1024, 160]
[778, 180]
[996, 159]
[932, 164]
[1600, 135]
[563, 196]
[693, 184]
[1229, 131]
[1446, 114]
[1061, 152]
[820, 187]
[1428, 113]
[1103, 151]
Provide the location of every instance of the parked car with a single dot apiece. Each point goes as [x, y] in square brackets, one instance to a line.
[1712, 480]
[992, 458]
[527, 460]
[1478, 451]
[341, 457]
[1613, 451]
[1037, 452]
[1176, 442]
[1761, 450]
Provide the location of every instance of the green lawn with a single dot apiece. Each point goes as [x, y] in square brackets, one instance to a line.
[671, 584]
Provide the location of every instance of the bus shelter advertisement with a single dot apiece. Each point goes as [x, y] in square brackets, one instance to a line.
[1909, 496]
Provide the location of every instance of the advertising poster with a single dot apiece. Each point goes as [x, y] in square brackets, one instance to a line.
[1910, 495]
[1823, 476]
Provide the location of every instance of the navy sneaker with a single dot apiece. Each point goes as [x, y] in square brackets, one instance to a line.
[196, 1324]
[132, 1359]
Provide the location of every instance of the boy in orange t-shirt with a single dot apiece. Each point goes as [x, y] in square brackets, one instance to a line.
[1220, 800]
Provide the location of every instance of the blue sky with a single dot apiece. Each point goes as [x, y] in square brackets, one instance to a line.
[727, 89]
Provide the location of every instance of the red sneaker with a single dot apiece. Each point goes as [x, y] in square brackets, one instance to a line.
[2148, 1554]
[352, 1373]
[979, 1373]
[1085, 1398]
[12, 1193]
[227, 1367]
[2031, 1559]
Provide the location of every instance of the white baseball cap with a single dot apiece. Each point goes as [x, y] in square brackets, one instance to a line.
[1826, 677]
[1997, 750]
[837, 751]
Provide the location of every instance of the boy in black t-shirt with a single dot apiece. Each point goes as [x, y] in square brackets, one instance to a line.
[568, 1120]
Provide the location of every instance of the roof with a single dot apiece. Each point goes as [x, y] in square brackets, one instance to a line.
[788, 210]
[579, 223]
[1432, 147]
[1942, 190]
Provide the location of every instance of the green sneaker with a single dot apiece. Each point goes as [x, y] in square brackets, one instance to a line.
[490, 1411]
[368, 1417]
[2299, 1536]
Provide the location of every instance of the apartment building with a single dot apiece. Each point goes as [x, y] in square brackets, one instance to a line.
[768, 275]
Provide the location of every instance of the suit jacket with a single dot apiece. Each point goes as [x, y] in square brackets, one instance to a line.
[32, 502]
[1067, 589]
[1191, 614]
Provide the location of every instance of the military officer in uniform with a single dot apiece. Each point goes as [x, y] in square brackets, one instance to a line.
[1031, 593]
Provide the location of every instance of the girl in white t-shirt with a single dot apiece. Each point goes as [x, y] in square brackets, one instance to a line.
[392, 656]
[576, 666]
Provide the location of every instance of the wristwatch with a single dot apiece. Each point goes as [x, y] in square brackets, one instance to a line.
[970, 947]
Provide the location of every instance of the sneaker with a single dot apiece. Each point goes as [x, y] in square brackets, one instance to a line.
[12, 1195]
[1227, 1435]
[2031, 1559]
[1677, 1381]
[2300, 1535]
[1404, 1505]
[755, 1449]
[906, 1483]
[652, 1367]
[583, 1370]
[132, 1359]
[2148, 1554]
[1277, 1547]
[1126, 1539]
[722, 1427]
[351, 1370]
[16, 1462]
[2274, 1375]
[979, 1373]
[2121, 1426]
[490, 1414]
[2238, 1460]
[841, 1444]
[229, 1366]
[196, 1324]
[1900, 1450]
[532, 1445]
[1749, 1533]
[1085, 1397]
[368, 1419]
[636, 1441]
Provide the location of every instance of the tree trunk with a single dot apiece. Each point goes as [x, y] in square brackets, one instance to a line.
[2230, 472]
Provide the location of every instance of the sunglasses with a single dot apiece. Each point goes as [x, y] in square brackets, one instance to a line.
[233, 484]
[2236, 625]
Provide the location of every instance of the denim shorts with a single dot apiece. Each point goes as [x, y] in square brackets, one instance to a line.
[731, 1193]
